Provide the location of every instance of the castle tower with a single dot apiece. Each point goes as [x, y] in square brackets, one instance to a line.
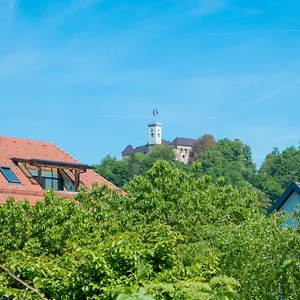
[154, 133]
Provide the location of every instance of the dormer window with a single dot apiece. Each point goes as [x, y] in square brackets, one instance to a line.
[55, 175]
[51, 178]
[9, 175]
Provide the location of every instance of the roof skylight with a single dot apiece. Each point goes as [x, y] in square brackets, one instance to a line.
[9, 175]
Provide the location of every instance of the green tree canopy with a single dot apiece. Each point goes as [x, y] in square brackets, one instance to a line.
[122, 171]
[227, 159]
[206, 141]
[283, 166]
[172, 236]
[161, 152]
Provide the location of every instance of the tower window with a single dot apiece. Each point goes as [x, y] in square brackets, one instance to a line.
[9, 175]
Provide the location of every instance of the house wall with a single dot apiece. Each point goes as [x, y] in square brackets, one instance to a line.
[289, 206]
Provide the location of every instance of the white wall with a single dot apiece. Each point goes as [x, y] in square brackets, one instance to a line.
[154, 133]
[290, 205]
[183, 153]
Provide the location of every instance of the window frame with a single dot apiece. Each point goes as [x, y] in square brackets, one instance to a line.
[17, 181]
[63, 182]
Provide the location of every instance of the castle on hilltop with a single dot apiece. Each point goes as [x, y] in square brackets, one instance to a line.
[182, 146]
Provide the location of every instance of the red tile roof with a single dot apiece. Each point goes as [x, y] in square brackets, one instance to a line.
[27, 149]
[183, 142]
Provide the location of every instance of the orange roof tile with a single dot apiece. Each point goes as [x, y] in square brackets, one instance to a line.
[28, 149]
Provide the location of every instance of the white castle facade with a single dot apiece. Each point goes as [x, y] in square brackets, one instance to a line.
[182, 146]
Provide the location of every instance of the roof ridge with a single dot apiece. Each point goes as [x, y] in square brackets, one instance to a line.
[66, 153]
[110, 184]
[42, 142]
[23, 139]
[180, 137]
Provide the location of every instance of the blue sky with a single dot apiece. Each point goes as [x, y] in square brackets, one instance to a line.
[86, 74]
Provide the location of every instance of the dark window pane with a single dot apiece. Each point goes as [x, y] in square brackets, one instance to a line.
[53, 181]
[48, 183]
[9, 175]
[55, 184]
[69, 185]
[60, 184]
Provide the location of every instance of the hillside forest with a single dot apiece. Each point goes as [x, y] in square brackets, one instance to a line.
[230, 160]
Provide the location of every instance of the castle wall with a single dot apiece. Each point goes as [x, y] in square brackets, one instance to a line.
[183, 153]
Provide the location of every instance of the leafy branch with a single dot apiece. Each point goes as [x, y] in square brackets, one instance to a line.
[27, 286]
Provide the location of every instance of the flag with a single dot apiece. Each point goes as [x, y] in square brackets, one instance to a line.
[155, 112]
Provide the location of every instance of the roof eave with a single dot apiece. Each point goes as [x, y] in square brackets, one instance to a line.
[293, 187]
[53, 163]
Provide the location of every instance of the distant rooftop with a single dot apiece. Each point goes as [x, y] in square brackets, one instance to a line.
[179, 141]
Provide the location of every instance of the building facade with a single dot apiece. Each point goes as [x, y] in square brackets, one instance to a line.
[182, 147]
[289, 202]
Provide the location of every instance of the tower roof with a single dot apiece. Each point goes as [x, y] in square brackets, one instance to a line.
[154, 124]
[165, 142]
[128, 150]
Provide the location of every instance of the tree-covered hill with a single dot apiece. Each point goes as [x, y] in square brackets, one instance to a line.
[283, 166]
[231, 160]
[174, 235]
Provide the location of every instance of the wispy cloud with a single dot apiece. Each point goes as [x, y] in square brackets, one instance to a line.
[61, 15]
[288, 137]
[275, 94]
[111, 62]
[253, 12]
[12, 5]
[7, 11]
[205, 7]
[20, 63]
[260, 32]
